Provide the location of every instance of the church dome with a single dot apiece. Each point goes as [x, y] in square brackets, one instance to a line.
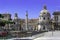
[44, 12]
[15, 16]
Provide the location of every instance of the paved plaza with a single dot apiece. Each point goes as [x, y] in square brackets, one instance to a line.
[55, 35]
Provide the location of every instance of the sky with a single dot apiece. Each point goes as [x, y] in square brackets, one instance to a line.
[32, 6]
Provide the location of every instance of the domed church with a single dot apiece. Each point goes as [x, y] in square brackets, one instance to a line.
[44, 19]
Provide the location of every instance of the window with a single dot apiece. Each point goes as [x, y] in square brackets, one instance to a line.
[44, 27]
[56, 18]
[44, 18]
[48, 18]
[44, 13]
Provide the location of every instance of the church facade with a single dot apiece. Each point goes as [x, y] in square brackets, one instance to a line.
[44, 19]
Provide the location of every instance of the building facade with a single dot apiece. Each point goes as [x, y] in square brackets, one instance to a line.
[6, 16]
[16, 20]
[44, 19]
[56, 20]
[32, 25]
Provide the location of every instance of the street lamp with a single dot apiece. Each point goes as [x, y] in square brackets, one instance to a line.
[52, 27]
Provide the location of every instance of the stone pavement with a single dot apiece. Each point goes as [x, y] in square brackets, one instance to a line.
[55, 35]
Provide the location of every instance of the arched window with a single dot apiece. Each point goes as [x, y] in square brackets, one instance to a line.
[43, 27]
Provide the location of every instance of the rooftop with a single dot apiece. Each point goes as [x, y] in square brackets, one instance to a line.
[56, 13]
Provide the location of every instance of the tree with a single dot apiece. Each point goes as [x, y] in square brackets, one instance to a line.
[1, 16]
[3, 22]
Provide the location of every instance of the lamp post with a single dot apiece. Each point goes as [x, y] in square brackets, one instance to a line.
[52, 27]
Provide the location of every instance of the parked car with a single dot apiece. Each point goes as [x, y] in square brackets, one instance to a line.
[3, 33]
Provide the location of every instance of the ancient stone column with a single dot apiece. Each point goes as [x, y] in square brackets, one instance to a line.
[26, 20]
